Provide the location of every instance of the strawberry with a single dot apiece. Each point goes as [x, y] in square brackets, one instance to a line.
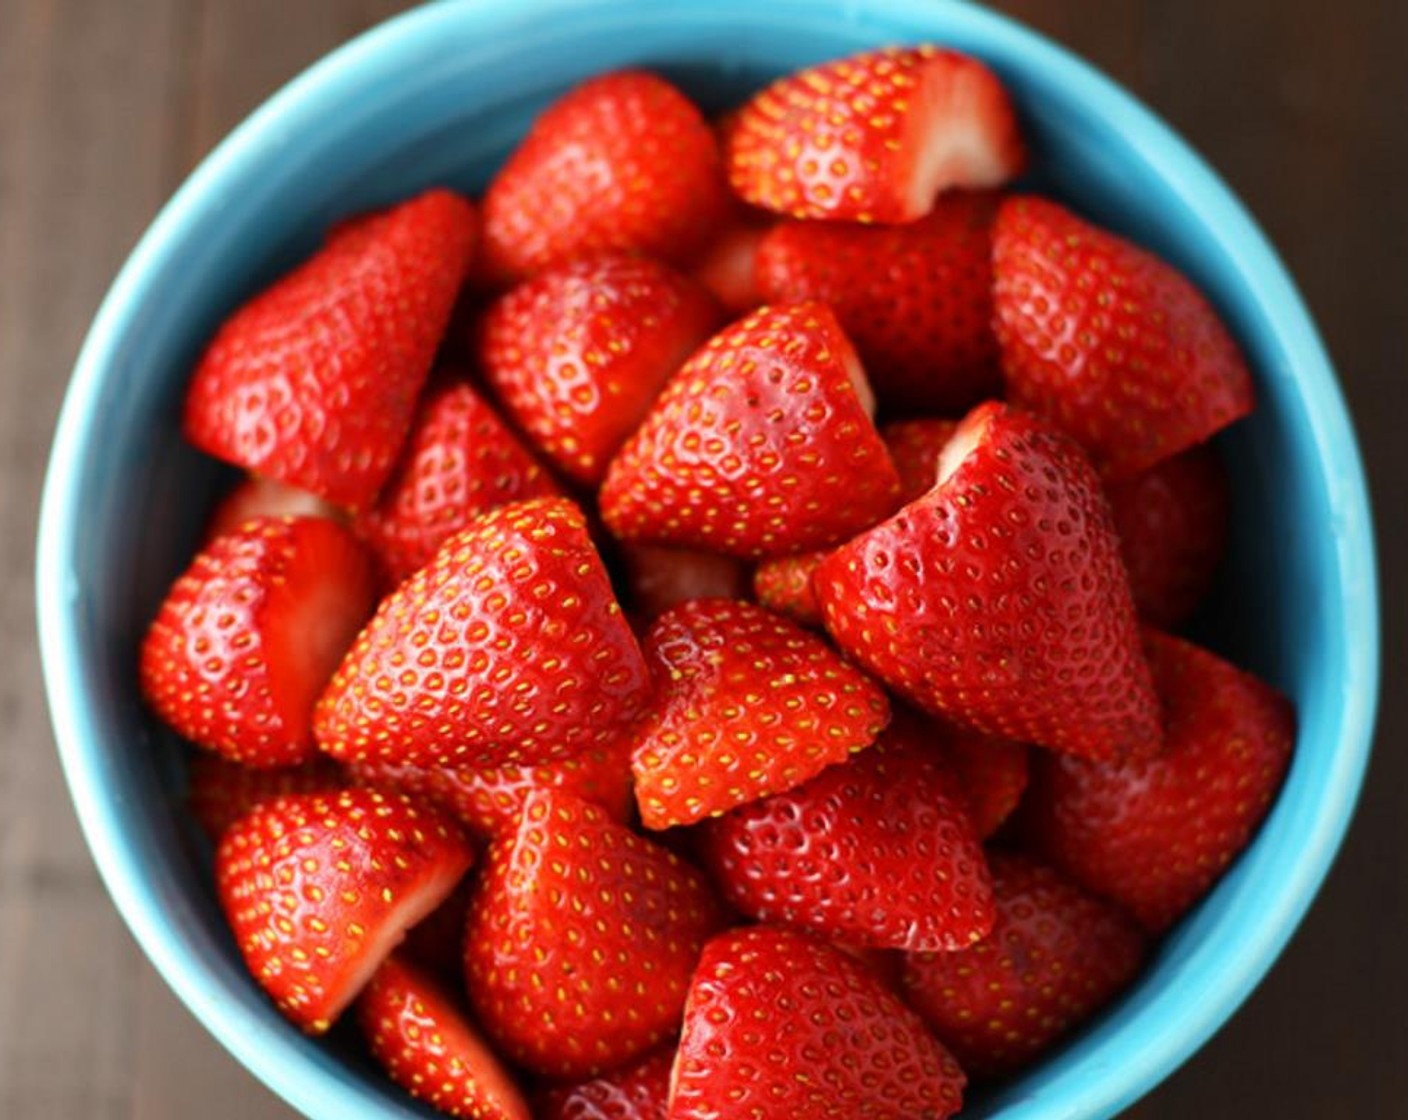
[726, 266]
[638, 1092]
[992, 774]
[488, 802]
[578, 353]
[1172, 522]
[313, 382]
[660, 578]
[436, 942]
[1108, 341]
[1156, 834]
[624, 161]
[248, 636]
[219, 792]
[747, 704]
[915, 447]
[509, 647]
[319, 888]
[999, 598]
[581, 939]
[460, 460]
[878, 851]
[784, 584]
[916, 300]
[874, 137]
[422, 1038]
[1055, 957]
[760, 446]
[263, 497]
[782, 1027]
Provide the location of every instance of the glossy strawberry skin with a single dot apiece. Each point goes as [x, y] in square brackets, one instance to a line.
[638, 1092]
[509, 647]
[318, 888]
[1109, 342]
[760, 446]
[581, 940]
[878, 851]
[916, 299]
[621, 162]
[780, 1026]
[220, 792]
[1172, 522]
[866, 138]
[915, 447]
[249, 634]
[421, 1037]
[1055, 957]
[1156, 835]
[747, 704]
[460, 460]
[313, 382]
[784, 584]
[991, 772]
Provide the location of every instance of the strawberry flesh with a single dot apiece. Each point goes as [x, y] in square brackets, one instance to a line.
[638, 1092]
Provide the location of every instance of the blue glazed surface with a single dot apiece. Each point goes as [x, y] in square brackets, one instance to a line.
[439, 95]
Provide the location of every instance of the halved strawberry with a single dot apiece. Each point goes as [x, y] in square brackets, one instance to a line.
[874, 137]
[780, 1026]
[999, 598]
[582, 937]
[509, 647]
[726, 266]
[747, 704]
[915, 447]
[623, 161]
[219, 792]
[313, 382]
[762, 445]
[436, 942]
[425, 1041]
[660, 578]
[878, 851]
[916, 299]
[319, 889]
[263, 497]
[1172, 523]
[577, 354]
[784, 584]
[1156, 834]
[1056, 956]
[638, 1092]
[460, 460]
[248, 636]
[1114, 345]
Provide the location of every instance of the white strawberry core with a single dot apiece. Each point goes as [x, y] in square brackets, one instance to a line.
[962, 444]
[952, 133]
[856, 372]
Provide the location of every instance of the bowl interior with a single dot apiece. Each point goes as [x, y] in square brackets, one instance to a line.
[439, 96]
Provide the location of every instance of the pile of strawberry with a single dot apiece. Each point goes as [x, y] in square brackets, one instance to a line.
[602, 710]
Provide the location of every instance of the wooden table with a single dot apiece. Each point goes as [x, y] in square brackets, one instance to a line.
[105, 105]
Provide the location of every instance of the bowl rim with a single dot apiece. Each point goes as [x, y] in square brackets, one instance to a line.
[1151, 1055]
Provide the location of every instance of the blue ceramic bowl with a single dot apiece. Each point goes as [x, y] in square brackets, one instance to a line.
[439, 96]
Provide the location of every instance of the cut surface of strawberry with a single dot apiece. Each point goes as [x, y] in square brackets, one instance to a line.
[660, 578]
[263, 497]
[915, 447]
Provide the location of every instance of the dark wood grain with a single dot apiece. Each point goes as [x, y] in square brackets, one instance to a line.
[105, 106]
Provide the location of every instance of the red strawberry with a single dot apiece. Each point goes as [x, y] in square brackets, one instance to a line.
[999, 598]
[263, 497]
[726, 266]
[784, 584]
[1156, 835]
[1055, 957]
[578, 353]
[1111, 343]
[915, 299]
[436, 942]
[250, 634]
[460, 460]
[638, 1092]
[509, 647]
[1172, 523]
[624, 161]
[782, 1027]
[489, 802]
[581, 940]
[874, 137]
[219, 792]
[760, 446]
[878, 851]
[748, 704]
[991, 772]
[660, 578]
[422, 1038]
[313, 382]
[915, 447]
[319, 888]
